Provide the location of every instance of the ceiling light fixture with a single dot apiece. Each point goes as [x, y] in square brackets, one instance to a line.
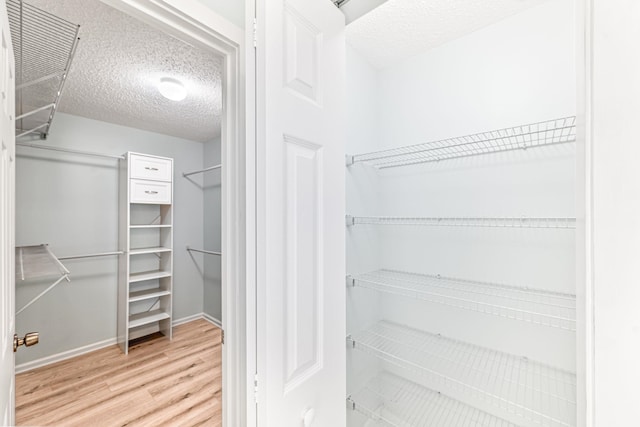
[172, 89]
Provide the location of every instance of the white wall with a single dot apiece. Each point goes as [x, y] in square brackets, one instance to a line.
[70, 202]
[518, 71]
[613, 237]
[212, 297]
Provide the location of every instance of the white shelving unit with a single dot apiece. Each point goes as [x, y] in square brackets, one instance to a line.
[536, 393]
[553, 309]
[421, 378]
[390, 400]
[146, 238]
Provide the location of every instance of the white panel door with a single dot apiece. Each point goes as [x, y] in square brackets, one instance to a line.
[7, 219]
[301, 273]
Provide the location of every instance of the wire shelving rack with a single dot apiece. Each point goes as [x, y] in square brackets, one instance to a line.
[540, 307]
[38, 262]
[496, 222]
[391, 401]
[522, 137]
[536, 393]
[44, 46]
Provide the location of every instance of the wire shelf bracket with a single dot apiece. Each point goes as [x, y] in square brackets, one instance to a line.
[540, 307]
[44, 47]
[523, 137]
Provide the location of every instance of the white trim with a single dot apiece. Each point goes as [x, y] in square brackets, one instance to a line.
[585, 333]
[212, 320]
[75, 352]
[187, 319]
[197, 25]
[59, 357]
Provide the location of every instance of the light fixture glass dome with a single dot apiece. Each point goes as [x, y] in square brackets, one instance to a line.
[172, 89]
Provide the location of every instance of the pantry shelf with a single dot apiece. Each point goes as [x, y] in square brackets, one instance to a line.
[546, 308]
[389, 400]
[496, 222]
[546, 133]
[533, 392]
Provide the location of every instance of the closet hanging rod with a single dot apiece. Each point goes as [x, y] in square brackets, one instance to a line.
[91, 255]
[203, 251]
[67, 150]
[186, 174]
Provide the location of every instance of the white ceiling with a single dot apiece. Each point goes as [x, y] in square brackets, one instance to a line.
[118, 63]
[399, 29]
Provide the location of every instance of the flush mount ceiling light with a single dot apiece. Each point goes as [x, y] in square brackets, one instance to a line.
[172, 89]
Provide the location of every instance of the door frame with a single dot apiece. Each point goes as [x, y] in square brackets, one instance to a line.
[196, 24]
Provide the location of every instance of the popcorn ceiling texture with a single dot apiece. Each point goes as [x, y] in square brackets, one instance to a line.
[399, 29]
[118, 63]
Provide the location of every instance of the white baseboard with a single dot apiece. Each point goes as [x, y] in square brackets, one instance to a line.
[212, 319]
[28, 366]
[187, 319]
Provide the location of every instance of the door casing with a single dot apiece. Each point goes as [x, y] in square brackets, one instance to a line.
[196, 24]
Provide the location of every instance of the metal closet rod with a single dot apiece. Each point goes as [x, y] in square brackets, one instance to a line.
[190, 249]
[68, 150]
[91, 255]
[186, 174]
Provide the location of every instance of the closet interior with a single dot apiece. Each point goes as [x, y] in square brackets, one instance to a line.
[460, 173]
[118, 187]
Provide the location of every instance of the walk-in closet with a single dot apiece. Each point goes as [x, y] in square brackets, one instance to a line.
[461, 222]
[118, 218]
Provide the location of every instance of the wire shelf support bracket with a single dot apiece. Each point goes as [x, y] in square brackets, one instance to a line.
[523, 137]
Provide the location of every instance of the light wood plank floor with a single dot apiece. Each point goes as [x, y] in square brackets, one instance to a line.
[160, 383]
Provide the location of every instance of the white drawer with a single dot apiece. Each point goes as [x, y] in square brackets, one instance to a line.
[143, 167]
[150, 192]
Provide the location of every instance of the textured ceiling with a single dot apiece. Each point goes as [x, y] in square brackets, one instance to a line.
[118, 63]
[399, 29]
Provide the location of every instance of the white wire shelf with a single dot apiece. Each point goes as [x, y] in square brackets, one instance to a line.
[496, 222]
[44, 46]
[38, 262]
[389, 400]
[540, 307]
[536, 393]
[551, 132]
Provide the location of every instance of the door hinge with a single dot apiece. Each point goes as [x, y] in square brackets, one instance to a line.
[222, 336]
[255, 388]
[255, 33]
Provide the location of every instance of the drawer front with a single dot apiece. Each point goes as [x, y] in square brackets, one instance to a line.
[150, 192]
[143, 167]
